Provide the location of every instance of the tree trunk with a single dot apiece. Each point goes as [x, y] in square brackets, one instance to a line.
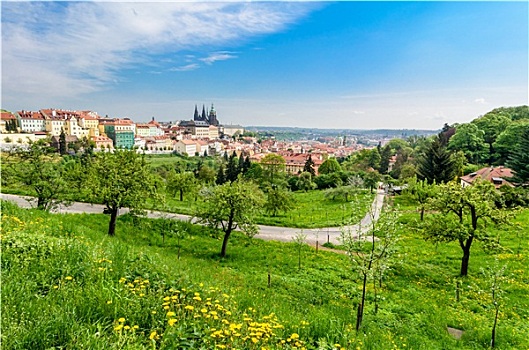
[112, 223]
[464, 262]
[41, 203]
[422, 213]
[360, 313]
[225, 243]
[181, 195]
[493, 338]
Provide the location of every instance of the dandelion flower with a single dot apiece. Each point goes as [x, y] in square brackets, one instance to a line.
[69, 278]
[121, 319]
[153, 335]
[170, 314]
[172, 321]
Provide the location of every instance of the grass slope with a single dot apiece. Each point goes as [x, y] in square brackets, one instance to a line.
[65, 284]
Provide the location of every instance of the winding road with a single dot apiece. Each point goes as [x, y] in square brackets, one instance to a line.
[271, 233]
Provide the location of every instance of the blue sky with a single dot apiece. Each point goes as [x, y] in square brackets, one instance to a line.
[309, 64]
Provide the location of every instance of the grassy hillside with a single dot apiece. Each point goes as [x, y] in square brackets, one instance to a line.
[66, 284]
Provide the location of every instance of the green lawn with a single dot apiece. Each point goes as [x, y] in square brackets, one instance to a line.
[312, 210]
[66, 284]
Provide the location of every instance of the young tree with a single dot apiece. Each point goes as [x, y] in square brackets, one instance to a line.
[421, 191]
[370, 249]
[464, 216]
[385, 157]
[182, 183]
[371, 179]
[273, 167]
[278, 199]
[304, 181]
[41, 170]
[231, 205]
[121, 179]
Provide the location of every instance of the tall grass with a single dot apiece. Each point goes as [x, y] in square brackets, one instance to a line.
[65, 284]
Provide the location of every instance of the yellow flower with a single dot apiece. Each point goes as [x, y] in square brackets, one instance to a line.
[126, 327]
[109, 302]
[153, 312]
[170, 314]
[254, 340]
[69, 278]
[172, 321]
[189, 307]
[294, 336]
[121, 319]
[153, 335]
[118, 327]
[197, 298]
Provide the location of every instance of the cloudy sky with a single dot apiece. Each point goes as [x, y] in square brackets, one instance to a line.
[348, 65]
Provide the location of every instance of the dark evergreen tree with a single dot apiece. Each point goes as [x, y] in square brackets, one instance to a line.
[246, 166]
[241, 163]
[519, 159]
[226, 156]
[62, 143]
[232, 170]
[436, 165]
[309, 166]
[221, 175]
[385, 156]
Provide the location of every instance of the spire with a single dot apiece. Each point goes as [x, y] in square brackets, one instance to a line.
[195, 117]
[204, 113]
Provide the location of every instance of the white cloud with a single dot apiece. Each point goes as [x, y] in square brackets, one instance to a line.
[185, 68]
[218, 56]
[73, 48]
[480, 101]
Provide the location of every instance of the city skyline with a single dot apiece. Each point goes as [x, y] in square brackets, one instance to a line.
[350, 65]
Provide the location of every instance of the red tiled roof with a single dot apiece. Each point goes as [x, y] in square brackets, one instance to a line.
[491, 174]
[7, 116]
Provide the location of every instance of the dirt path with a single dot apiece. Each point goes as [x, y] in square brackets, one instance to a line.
[275, 233]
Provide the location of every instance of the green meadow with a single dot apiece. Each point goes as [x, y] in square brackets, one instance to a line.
[67, 285]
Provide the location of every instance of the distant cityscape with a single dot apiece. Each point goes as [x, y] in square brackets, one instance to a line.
[201, 134]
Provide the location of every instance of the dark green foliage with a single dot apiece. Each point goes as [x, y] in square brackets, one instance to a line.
[385, 157]
[436, 165]
[519, 159]
[329, 166]
[221, 175]
[309, 166]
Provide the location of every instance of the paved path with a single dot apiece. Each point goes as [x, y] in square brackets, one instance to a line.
[275, 233]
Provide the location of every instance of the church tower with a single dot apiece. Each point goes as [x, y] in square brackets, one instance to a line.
[212, 118]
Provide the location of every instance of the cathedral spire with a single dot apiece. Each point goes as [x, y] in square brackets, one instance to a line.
[204, 118]
[195, 116]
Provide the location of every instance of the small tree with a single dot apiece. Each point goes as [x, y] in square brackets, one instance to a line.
[273, 167]
[43, 173]
[370, 248]
[300, 240]
[121, 179]
[304, 181]
[464, 215]
[278, 199]
[230, 206]
[421, 191]
[181, 183]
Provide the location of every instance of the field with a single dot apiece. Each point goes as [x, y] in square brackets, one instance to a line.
[66, 284]
[312, 210]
